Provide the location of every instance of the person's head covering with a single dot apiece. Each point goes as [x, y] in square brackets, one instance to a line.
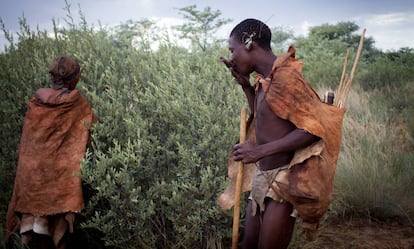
[63, 69]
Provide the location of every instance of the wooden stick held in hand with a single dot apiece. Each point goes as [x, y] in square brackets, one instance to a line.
[239, 183]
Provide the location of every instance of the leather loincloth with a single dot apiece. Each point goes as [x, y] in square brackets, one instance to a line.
[263, 186]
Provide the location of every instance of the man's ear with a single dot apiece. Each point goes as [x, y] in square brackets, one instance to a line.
[249, 40]
[248, 43]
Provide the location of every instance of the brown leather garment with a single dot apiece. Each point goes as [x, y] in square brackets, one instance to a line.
[53, 142]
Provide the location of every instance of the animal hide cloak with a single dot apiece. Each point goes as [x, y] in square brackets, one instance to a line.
[53, 142]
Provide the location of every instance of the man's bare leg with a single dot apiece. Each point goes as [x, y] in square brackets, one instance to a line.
[277, 225]
[251, 229]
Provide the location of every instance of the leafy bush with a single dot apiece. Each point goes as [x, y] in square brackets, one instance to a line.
[158, 159]
[391, 69]
[160, 151]
[323, 61]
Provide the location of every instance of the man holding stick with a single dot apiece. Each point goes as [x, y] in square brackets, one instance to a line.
[285, 121]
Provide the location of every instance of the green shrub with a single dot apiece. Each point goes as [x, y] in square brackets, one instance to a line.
[391, 69]
[166, 122]
[159, 154]
[323, 61]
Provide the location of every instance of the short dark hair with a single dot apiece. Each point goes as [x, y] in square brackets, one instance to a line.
[63, 69]
[258, 30]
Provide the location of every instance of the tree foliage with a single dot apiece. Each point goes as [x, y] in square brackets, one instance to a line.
[340, 31]
[344, 32]
[200, 26]
[281, 37]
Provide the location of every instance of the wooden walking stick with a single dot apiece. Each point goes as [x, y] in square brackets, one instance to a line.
[239, 183]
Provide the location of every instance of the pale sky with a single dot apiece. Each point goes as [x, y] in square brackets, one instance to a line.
[389, 23]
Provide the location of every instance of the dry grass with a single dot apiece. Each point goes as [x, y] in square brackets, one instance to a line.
[370, 179]
[361, 234]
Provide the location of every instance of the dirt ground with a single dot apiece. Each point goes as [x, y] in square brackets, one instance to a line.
[362, 234]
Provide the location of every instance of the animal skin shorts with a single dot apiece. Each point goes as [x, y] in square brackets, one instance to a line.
[261, 189]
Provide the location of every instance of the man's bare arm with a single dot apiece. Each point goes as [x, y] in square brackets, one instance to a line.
[293, 141]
